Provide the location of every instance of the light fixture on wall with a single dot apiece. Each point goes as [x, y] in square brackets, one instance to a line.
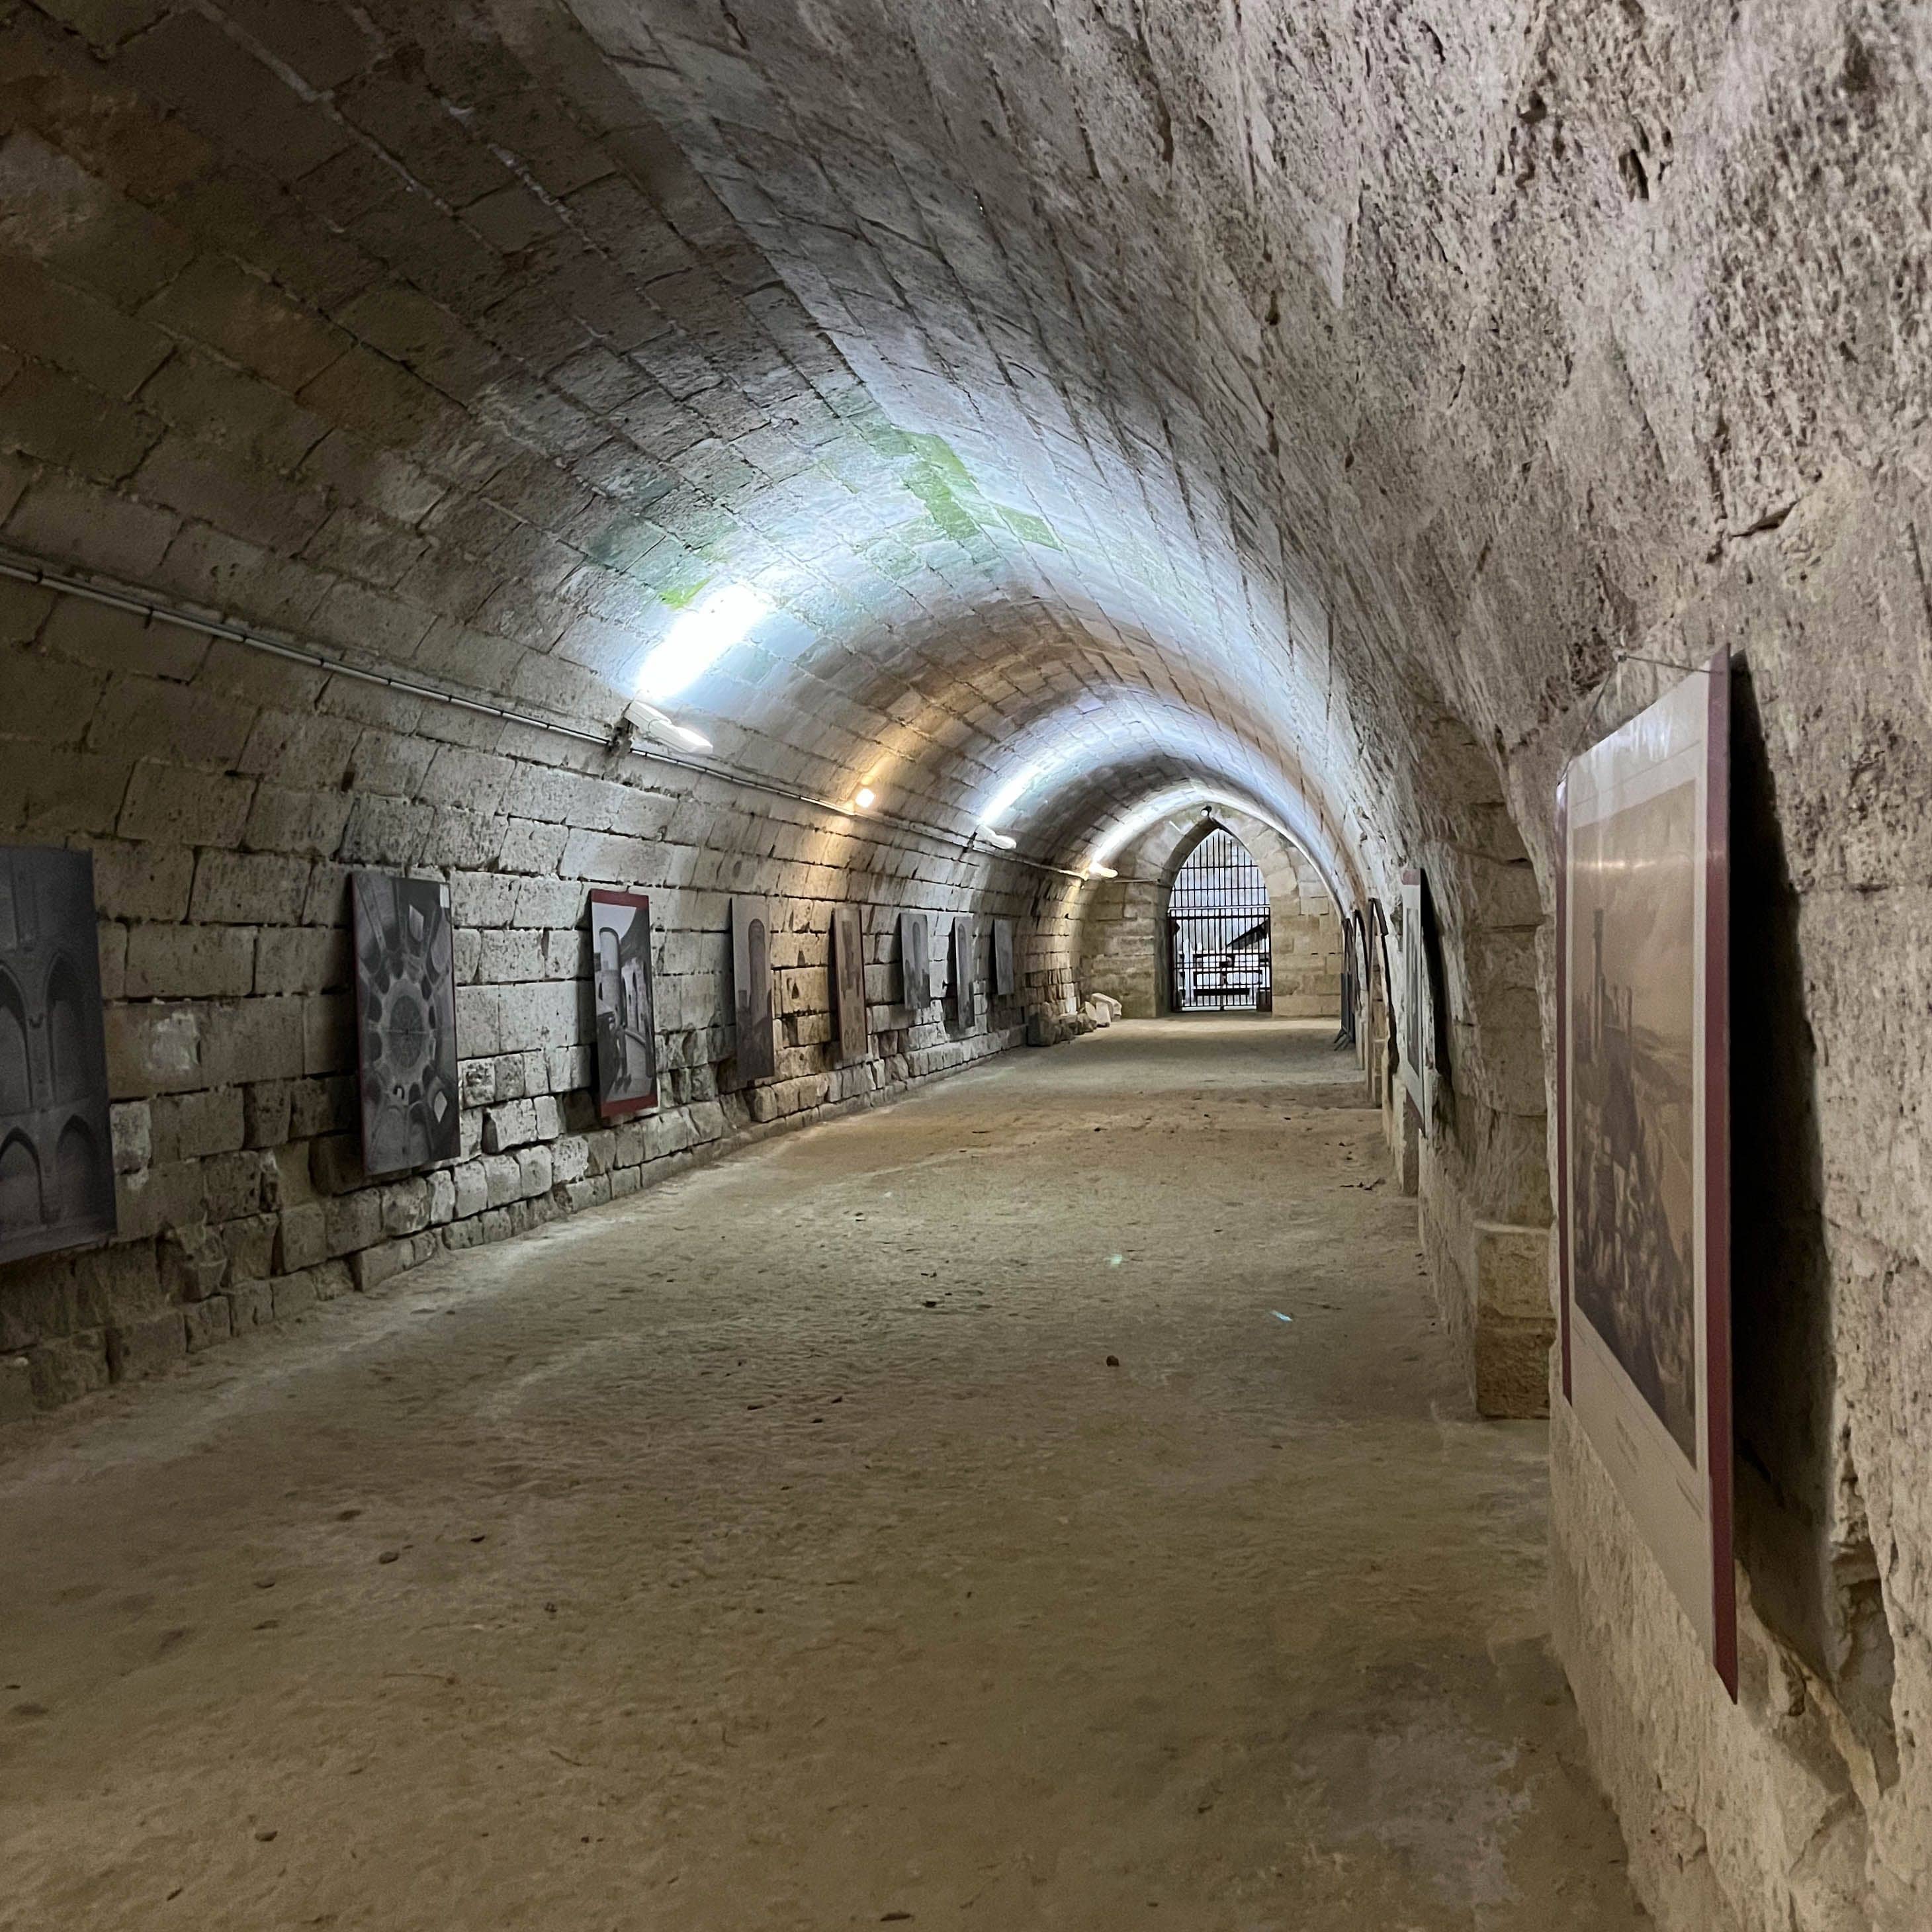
[1097, 871]
[660, 724]
[697, 639]
[864, 799]
[998, 838]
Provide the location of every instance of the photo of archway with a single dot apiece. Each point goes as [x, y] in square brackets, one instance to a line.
[848, 982]
[1643, 1144]
[964, 1006]
[1003, 978]
[406, 1022]
[56, 1156]
[620, 966]
[915, 960]
[1633, 901]
[757, 1046]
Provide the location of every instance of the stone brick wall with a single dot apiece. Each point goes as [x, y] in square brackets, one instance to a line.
[226, 797]
[1123, 934]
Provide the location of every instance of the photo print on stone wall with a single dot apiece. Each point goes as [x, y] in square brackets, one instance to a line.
[1416, 1032]
[405, 1021]
[756, 1047]
[56, 1154]
[964, 1006]
[1643, 1131]
[847, 972]
[915, 960]
[1004, 981]
[620, 966]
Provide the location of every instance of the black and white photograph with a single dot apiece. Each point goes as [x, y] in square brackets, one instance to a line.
[848, 977]
[1643, 1135]
[757, 1042]
[915, 960]
[1416, 1036]
[56, 1157]
[964, 1000]
[406, 1022]
[627, 1050]
[1003, 979]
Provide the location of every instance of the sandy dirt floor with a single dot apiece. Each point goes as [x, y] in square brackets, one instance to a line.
[783, 1548]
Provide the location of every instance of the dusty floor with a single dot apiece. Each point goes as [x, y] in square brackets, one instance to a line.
[779, 1549]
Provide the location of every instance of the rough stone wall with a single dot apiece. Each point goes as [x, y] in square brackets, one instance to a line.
[1315, 394]
[1123, 929]
[226, 797]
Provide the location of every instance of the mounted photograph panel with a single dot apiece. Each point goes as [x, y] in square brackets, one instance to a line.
[1643, 1134]
[962, 948]
[847, 975]
[1004, 979]
[620, 967]
[1416, 1039]
[56, 1154]
[915, 960]
[405, 1021]
[757, 1046]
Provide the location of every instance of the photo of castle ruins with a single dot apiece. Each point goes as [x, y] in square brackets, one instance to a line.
[1633, 898]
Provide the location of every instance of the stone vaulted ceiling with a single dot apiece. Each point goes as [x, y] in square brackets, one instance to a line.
[1304, 399]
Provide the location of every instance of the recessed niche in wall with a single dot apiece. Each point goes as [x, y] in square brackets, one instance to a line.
[56, 1156]
[406, 1022]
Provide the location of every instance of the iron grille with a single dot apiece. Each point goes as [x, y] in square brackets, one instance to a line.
[1217, 924]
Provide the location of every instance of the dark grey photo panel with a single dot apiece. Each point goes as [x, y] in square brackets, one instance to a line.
[848, 977]
[915, 960]
[757, 1045]
[620, 967]
[1004, 981]
[56, 1155]
[406, 1022]
[962, 948]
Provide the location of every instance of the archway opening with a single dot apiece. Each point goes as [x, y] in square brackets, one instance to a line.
[1220, 935]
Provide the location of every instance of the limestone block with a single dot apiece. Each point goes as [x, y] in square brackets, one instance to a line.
[146, 1202]
[251, 1304]
[442, 1196]
[232, 1183]
[504, 1176]
[208, 1322]
[301, 1239]
[570, 1158]
[16, 1388]
[353, 1221]
[193, 1263]
[509, 1125]
[144, 1347]
[190, 1126]
[267, 1106]
[292, 1294]
[335, 1164]
[536, 1170]
[67, 1367]
[405, 1206]
[131, 1123]
[252, 1242]
[472, 1189]
[189, 961]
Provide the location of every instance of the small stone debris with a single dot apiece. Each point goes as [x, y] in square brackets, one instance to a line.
[265, 1837]
[1113, 1361]
[389, 1556]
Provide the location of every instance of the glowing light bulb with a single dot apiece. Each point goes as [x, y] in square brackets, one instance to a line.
[998, 838]
[864, 798]
[698, 639]
[1097, 871]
